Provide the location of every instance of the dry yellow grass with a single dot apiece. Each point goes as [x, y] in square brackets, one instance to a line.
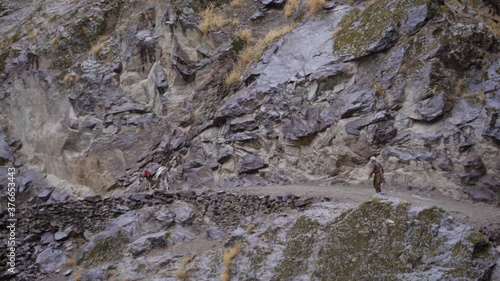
[336, 32]
[246, 36]
[478, 97]
[378, 87]
[111, 272]
[291, 6]
[181, 273]
[459, 87]
[33, 34]
[236, 3]
[227, 258]
[252, 53]
[212, 19]
[78, 274]
[70, 262]
[315, 6]
[277, 33]
[250, 228]
[225, 276]
[69, 80]
[372, 2]
[98, 44]
[189, 259]
[231, 253]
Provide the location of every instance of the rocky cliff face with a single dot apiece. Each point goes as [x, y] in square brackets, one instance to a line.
[93, 92]
[239, 93]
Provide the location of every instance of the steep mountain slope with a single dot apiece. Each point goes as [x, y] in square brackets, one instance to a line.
[241, 93]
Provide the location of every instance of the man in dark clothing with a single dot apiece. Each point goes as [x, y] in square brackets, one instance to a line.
[32, 60]
[378, 170]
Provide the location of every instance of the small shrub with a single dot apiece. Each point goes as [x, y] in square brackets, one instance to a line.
[111, 272]
[250, 228]
[251, 54]
[141, 267]
[67, 80]
[78, 274]
[246, 36]
[98, 44]
[212, 19]
[227, 258]
[70, 79]
[225, 276]
[291, 6]
[236, 3]
[315, 6]
[336, 32]
[188, 259]
[181, 273]
[372, 2]
[33, 34]
[276, 33]
[70, 262]
[459, 87]
[231, 253]
[479, 97]
[380, 92]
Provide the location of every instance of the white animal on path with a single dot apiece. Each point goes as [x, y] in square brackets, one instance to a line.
[160, 178]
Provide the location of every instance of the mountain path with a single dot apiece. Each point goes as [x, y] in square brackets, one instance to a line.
[475, 214]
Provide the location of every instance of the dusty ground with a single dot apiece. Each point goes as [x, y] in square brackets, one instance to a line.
[476, 214]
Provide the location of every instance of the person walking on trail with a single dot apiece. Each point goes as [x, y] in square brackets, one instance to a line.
[378, 170]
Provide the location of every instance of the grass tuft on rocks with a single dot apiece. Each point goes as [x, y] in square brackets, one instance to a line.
[252, 53]
[228, 258]
[291, 6]
[212, 19]
[315, 6]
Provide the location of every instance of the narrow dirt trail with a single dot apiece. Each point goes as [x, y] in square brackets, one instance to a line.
[476, 214]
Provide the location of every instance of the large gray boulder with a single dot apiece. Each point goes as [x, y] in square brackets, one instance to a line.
[95, 274]
[50, 260]
[250, 163]
[150, 242]
[430, 109]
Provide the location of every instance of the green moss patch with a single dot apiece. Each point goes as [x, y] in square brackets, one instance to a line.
[480, 243]
[83, 34]
[300, 242]
[4, 55]
[363, 29]
[106, 249]
[271, 234]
